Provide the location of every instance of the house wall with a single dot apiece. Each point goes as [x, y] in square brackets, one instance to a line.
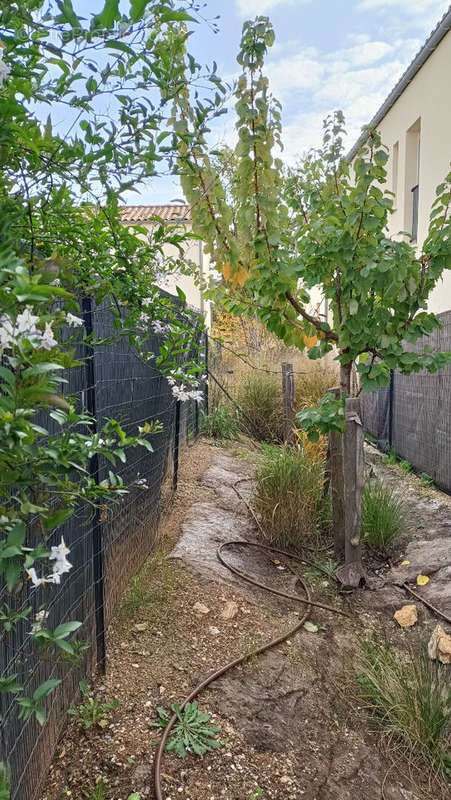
[194, 251]
[423, 111]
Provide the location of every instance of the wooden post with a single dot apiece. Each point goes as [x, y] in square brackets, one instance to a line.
[353, 469]
[337, 487]
[288, 401]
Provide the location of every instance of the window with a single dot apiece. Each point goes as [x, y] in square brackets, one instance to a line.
[412, 185]
[394, 174]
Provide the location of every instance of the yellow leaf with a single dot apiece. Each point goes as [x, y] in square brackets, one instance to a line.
[404, 563]
[226, 271]
[422, 580]
[241, 277]
[310, 341]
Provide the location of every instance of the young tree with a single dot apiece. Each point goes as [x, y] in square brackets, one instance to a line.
[326, 228]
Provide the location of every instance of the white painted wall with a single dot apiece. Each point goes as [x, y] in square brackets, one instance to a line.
[426, 99]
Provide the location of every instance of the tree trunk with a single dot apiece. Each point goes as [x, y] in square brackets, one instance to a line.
[347, 474]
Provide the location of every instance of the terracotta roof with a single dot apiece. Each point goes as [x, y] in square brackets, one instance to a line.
[439, 32]
[144, 213]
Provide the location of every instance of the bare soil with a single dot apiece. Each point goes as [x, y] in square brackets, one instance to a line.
[290, 720]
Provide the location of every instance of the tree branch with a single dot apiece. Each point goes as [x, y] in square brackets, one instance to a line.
[308, 317]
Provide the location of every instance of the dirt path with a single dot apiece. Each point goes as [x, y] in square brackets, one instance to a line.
[288, 720]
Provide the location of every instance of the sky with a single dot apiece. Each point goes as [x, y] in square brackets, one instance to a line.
[328, 54]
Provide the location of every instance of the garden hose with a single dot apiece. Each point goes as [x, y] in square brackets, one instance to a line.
[305, 599]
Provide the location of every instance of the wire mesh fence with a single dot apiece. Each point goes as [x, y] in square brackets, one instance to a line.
[108, 545]
[413, 415]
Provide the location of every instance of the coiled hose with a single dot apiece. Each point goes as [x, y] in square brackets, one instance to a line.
[305, 600]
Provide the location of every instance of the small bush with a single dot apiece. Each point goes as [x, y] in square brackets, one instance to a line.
[220, 423]
[411, 699]
[288, 495]
[384, 516]
[260, 397]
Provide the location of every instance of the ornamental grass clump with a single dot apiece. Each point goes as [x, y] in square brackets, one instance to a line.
[410, 698]
[220, 423]
[260, 397]
[384, 516]
[289, 496]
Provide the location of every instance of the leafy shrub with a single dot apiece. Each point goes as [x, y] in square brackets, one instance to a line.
[288, 498]
[384, 516]
[191, 732]
[260, 397]
[311, 387]
[411, 698]
[220, 423]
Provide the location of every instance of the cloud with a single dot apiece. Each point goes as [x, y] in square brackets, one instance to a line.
[413, 7]
[249, 8]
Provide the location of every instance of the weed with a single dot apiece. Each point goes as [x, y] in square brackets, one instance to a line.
[405, 465]
[191, 732]
[5, 781]
[426, 480]
[260, 397]
[98, 792]
[391, 457]
[257, 795]
[288, 495]
[221, 423]
[411, 699]
[383, 515]
[92, 712]
[138, 594]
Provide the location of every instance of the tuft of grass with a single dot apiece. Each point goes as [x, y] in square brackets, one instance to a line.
[313, 385]
[384, 515]
[391, 457]
[260, 397]
[288, 498]
[426, 480]
[405, 465]
[138, 594]
[411, 699]
[98, 792]
[221, 423]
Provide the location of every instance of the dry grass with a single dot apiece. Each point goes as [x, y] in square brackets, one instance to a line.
[410, 698]
[288, 497]
[311, 387]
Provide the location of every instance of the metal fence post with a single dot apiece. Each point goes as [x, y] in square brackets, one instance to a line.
[206, 373]
[94, 470]
[390, 408]
[176, 444]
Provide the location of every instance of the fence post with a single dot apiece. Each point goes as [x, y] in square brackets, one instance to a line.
[353, 468]
[206, 373]
[390, 408]
[288, 400]
[94, 471]
[176, 444]
[337, 487]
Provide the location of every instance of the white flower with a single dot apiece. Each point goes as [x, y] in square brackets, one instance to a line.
[59, 555]
[6, 332]
[73, 321]
[48, 340]
[180, 393]
[148, 301]
[26, 323]
[34, 578]
[143, 483]
[197, 395]
[40, 619]
[171, 381]
[158, 326]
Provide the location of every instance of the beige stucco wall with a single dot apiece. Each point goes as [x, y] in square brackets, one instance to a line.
[428, 99]
[194, 251]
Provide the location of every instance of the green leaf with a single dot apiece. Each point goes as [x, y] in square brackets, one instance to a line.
[57, 518]
[109, 14]
[353, 306]
[65, 629]
[311, 627]
[16, 536]
[45, 689]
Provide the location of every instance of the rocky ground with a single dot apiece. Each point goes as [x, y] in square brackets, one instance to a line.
[290, 720]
